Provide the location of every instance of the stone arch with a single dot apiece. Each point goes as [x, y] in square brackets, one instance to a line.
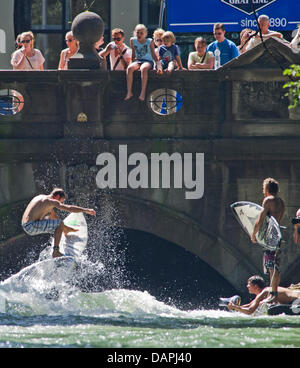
[178, 228]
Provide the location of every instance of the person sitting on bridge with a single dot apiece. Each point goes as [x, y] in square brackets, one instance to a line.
[201, 59]
[256, 286]
[157, 39]
[169, 53]
[40, 218]
[143, 58]
[264, 33]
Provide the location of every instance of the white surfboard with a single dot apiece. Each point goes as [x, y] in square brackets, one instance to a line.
[74, 243]
[48, 275]
[269, 235]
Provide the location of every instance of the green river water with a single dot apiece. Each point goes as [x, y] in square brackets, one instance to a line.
[40, 308]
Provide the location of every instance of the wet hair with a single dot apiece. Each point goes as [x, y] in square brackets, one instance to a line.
[271, 185]
[258, 281]
[58, 192]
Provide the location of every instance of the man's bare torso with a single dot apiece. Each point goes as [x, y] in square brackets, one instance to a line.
[38, 208]
[275, 206]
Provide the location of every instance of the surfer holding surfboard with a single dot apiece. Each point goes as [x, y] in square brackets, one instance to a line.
[40, 218]
[274, 206]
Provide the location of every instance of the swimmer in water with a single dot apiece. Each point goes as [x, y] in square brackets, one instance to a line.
[256, 286]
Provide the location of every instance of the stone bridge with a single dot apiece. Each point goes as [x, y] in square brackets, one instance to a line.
[237, 116]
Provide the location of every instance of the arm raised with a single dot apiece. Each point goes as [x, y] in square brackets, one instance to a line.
[72, 208]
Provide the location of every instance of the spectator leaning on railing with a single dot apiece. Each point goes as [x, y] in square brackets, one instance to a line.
[201, 58]
[265, 33]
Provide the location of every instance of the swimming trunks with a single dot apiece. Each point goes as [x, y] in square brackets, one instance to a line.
[271, 260]
[46, 226]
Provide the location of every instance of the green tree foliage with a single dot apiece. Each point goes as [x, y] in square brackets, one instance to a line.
[293, 72]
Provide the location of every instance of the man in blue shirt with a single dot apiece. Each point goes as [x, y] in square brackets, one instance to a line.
[227, 48]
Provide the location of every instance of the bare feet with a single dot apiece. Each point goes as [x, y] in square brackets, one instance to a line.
[142, 98]
[56, 253]
[128, 96]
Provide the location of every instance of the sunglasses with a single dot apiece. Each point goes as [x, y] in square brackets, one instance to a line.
[117, 38]
[25, 41]
[159, 40]
[218, 33]
[70, 40]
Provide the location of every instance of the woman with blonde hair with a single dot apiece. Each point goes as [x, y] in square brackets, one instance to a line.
[68, 52]
[143, 58]
[27, 57]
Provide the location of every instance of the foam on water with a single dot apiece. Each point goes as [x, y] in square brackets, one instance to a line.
[53, 288]
[34, 291]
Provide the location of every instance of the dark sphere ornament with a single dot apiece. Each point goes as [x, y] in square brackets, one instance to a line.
[87, 28]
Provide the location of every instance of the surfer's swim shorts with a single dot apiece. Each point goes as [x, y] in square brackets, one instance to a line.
[271, 260]
[46, 226]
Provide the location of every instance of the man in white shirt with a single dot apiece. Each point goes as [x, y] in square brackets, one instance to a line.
[264, 24]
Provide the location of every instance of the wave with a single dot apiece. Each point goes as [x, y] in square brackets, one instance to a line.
[50, 289]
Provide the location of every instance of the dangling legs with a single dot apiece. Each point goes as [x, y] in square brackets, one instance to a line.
[145, 67]
[129, 79]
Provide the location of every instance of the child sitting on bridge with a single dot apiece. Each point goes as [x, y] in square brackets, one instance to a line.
[169, 53]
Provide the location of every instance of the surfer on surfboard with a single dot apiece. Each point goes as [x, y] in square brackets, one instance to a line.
[274, 206]
[40, 217]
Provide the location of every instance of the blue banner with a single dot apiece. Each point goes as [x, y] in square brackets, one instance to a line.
[200, 15]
